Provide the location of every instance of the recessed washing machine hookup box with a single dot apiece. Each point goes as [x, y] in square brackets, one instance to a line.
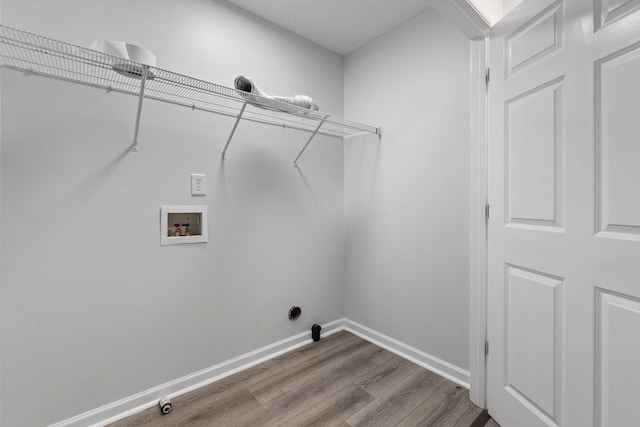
[183, 224]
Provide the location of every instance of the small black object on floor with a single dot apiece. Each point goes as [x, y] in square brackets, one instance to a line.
[315, 332]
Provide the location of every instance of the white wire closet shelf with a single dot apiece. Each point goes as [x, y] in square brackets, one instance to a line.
[21, 50]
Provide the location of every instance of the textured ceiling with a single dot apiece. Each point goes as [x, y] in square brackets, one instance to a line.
[339, 25]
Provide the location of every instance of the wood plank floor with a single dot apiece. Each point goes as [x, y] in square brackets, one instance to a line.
[341, 381]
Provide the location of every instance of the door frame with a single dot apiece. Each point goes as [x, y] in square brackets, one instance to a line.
[478, 222]
[473, 18]
[472, 23]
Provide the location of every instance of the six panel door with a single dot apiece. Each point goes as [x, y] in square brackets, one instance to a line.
[564, 231]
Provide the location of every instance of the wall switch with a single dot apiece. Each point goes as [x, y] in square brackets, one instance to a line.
[198, 187]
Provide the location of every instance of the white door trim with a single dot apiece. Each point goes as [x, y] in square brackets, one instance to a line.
[478, 225]
[465, 16]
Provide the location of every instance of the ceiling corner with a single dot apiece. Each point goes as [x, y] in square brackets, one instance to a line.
[465, 16]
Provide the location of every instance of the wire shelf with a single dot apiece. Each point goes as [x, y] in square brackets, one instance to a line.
[44, 56]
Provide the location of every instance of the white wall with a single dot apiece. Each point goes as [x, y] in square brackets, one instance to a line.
[509, 5]
[1, 287]
[93, 309]
[407, 197]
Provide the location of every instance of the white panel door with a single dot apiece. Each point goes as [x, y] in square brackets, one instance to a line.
[564, 226]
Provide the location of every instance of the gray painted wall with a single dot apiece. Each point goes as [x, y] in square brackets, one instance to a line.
[93, 309]
[1, 287]
[407, 197]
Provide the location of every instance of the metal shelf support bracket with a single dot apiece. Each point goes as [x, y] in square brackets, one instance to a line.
[315, 132]
[145, 70]
[235, 126]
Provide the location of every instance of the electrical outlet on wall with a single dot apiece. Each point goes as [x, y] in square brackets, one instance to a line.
[198, 187]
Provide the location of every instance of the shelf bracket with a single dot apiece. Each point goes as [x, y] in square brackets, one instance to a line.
[143, 82]
[315, 132]
[235, 125]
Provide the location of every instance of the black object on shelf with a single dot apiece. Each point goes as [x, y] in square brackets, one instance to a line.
[315, 332]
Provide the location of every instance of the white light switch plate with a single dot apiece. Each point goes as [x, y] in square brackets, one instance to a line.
[198, 184]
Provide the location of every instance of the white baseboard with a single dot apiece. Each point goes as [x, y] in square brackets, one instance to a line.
[131, 405]
[432, 363]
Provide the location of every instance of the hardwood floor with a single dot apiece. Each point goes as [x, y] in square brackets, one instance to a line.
[341, 381]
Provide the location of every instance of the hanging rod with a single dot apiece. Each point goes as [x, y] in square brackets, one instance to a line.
[21, 50]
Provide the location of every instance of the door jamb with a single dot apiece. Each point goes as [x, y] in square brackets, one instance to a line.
[478, 222]
[470, 20]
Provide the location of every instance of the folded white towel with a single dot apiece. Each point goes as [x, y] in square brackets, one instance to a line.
[249, 91]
